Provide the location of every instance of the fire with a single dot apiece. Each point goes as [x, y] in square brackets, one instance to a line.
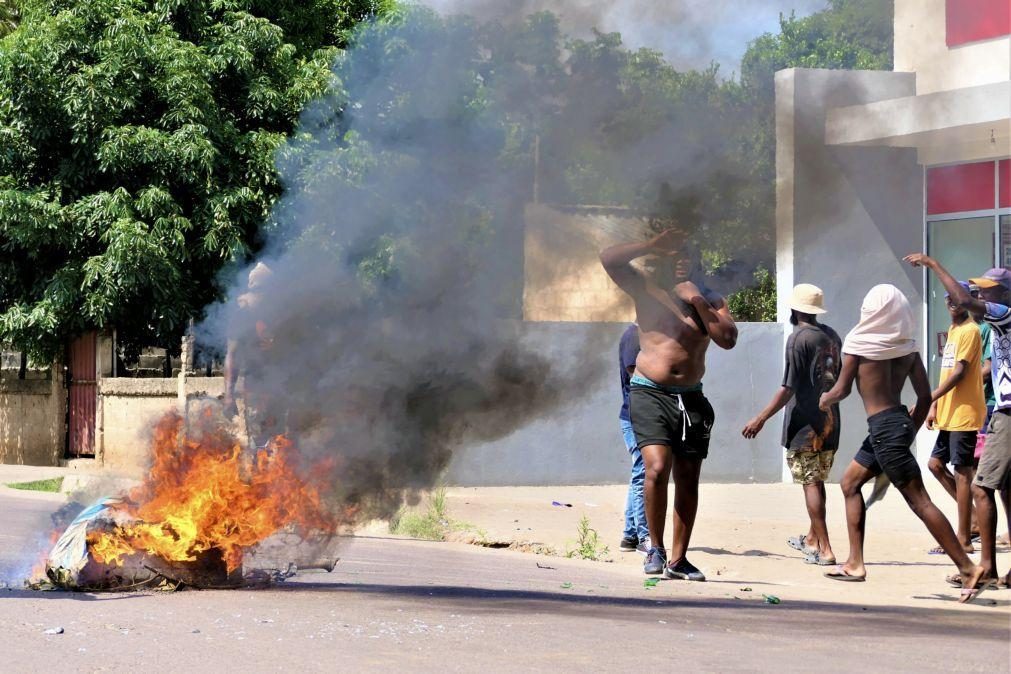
[206, 492]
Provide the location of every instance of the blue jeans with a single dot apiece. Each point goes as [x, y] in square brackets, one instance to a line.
[635, 505]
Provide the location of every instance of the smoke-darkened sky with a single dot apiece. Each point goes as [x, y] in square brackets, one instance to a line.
[690, 33]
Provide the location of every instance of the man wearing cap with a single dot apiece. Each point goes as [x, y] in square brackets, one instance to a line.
[810, 436]
[994, 471]
[958, 411]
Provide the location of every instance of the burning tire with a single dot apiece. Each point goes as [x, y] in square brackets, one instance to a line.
[72, 566]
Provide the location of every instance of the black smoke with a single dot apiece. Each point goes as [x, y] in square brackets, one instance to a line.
[388, 335]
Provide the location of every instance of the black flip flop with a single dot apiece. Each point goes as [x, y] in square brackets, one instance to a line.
[839, 573]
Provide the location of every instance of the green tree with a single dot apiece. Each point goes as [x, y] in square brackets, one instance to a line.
[849, 34]
[8, 16]
[137, 160]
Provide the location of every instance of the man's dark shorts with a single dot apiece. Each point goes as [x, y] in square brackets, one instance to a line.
[888, 447]
[955, 447]
[682, 421]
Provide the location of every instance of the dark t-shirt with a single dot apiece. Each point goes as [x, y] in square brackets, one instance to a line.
[813, 362]
[628, 351]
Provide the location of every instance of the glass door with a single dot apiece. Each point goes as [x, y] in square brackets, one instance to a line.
[966, 248]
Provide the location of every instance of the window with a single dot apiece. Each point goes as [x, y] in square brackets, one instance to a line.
[974, 20]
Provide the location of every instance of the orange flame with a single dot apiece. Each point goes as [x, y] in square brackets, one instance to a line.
[208, 493]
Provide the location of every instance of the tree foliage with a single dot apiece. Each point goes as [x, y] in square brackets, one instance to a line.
[9, 16]
[849, 34]
[138, 141]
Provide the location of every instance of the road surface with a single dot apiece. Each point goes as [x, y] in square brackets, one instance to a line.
[418, 606]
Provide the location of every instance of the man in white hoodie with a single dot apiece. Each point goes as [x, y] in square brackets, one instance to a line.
[879, 355]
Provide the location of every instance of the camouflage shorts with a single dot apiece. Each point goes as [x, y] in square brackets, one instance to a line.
[809, 467]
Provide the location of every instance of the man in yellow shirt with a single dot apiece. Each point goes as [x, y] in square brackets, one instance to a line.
[958, 411]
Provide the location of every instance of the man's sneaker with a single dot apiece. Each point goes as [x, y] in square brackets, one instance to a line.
[628, 544]
[643, 548]
[656, 559]
[684, 570]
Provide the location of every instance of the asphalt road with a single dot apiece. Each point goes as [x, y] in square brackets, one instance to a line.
[420, 606]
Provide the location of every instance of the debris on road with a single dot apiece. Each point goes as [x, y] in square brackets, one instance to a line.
[745, 589]
[650, 582]
[566, 586]
[771, 599]
[54, 630]
[545, 566]
[563, 505]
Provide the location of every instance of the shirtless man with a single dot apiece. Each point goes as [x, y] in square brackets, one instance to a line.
[880, 356]
[678, 317]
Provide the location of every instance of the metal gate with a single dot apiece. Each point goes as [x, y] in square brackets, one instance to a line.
[82, 386]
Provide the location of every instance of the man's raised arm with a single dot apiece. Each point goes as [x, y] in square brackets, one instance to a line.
[617, 259]
[959, 295]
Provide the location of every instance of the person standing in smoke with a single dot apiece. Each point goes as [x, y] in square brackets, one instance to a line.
[811, 437]
[880, 354]
[678, 317]
[635, 536]
[250, 342]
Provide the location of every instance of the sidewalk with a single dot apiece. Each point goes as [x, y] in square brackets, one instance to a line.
[739, 540]
[77, 477]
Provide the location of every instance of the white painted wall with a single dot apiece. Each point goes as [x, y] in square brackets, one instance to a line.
[921, 47]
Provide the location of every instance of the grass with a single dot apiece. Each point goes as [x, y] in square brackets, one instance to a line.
[51, 485]
[430, 525]
[588, 544]
[433, 524]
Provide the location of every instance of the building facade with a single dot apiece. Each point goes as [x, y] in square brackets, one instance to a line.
[874, 165]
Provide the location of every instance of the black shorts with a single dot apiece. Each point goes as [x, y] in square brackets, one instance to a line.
[681, 421]
[888, 447]
[955, 447]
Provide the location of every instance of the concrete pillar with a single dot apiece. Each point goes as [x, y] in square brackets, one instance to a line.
[845, 216]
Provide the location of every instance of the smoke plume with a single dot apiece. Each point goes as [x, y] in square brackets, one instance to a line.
[386, 336]
[690, 33]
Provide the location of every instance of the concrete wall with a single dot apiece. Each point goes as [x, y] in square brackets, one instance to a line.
[921, 48]
[563, 279]
[128, 407]
[845, 215]
[582, 444]
[32, 414]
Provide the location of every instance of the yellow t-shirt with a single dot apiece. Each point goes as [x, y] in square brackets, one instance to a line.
[963, 408]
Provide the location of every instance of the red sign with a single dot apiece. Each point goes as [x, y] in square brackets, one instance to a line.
[974, 20]
[959, 188]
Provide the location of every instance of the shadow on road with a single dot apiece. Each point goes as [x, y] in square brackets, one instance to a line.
[746, 553]
[839, 619]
